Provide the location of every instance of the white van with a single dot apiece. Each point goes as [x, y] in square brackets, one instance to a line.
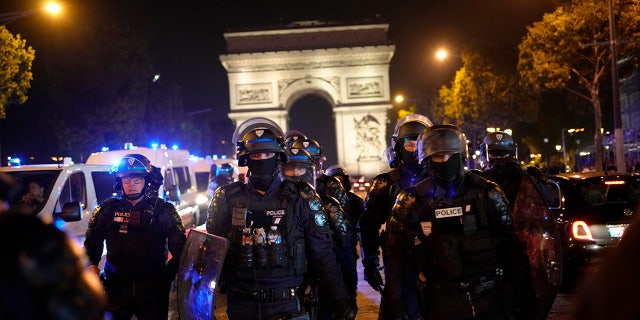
[71, 191]
[179, 184]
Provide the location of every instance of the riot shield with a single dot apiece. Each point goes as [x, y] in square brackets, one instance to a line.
[200, 267]
[536, 226]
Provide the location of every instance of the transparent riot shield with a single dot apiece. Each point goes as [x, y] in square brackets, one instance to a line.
[200, 267]
[537, 228]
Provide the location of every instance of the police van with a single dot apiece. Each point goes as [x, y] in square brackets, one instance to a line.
[179, 180]
[71, 191]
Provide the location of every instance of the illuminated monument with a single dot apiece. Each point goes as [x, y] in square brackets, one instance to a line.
[343, 69]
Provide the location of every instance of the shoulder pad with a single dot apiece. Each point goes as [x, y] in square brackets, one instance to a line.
[380, 183]
[234, 187]
[480, 181]
[107, 203]
[535, 172]
[330, 200]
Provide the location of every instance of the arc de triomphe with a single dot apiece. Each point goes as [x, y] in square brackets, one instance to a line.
[345, 67]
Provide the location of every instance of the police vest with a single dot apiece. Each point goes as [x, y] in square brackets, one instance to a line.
[456, 242]
[252, 253]
[136, 245]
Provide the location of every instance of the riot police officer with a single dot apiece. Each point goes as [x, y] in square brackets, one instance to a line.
[529, 195]
[356, 203]
[381, 196]
[301, 166]
[499, 161]
[224, 174]
[138, 228]
[275, 228]
[457, 227]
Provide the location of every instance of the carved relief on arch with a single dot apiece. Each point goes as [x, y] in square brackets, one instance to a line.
[289, 88]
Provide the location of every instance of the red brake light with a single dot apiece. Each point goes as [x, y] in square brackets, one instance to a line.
[580, 231]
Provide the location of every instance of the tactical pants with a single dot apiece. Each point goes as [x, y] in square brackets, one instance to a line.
[486, 305]
[241, 308]
[147, 299]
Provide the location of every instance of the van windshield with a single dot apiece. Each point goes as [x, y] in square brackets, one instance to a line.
[32, 188]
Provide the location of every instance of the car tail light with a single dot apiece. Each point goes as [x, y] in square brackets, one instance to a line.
[580, 231]
[613, 182]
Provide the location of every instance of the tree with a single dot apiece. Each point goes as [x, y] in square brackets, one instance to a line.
[15, 70]
[482, 96]
[569, 50]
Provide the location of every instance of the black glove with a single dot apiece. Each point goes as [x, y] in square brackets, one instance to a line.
[372, 275]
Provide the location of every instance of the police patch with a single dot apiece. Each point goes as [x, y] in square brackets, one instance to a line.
[448, 212]
[426, 227]
[320, 219]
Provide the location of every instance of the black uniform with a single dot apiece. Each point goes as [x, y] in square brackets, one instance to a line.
[331, 190]
[463, 243]
[508, 175]
[377, 207]
[138, 276]
[262, 281]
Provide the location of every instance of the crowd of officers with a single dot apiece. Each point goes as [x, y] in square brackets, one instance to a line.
[442, 235]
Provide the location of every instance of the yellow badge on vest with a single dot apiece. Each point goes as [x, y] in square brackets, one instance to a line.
[426, 227]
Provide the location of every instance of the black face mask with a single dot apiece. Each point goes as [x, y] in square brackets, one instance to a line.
[263, 172]
[410, 161]
[448, 171]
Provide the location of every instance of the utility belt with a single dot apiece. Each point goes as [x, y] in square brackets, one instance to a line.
[475, 287]
[267, 295]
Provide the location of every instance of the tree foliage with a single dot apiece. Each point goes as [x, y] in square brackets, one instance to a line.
[481, 95]
[15, 69]
[569, 49]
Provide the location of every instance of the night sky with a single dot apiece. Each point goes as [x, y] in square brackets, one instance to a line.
[186, 39]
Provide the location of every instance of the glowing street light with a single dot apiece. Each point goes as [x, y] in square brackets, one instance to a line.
[441, 54]
[52, 8]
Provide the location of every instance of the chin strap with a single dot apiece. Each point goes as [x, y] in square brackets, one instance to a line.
[134, 197]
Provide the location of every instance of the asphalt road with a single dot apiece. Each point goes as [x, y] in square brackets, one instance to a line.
[368, 301]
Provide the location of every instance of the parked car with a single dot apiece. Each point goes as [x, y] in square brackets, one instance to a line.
[71, 191]
[594, 210]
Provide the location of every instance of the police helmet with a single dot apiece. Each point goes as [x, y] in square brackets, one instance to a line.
[497, 147]
[292, 135]
[132, 165]
[225, 170]
[300, 159]
[336, 169]
[441, 139]
[314, 148]
[407, 128]
[259, 135]
[137, 165]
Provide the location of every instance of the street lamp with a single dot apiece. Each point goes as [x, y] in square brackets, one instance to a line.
[546, 150]
[51, 7]
[617, 120]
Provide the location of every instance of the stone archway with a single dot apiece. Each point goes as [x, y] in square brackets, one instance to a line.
[272, 72]
[313, 115]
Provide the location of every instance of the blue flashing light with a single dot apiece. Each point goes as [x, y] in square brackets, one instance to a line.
[104, 149]
[224, 156]
[59, 223]
[174, 147]
[215, 157]
[154, 145]
[15, 161]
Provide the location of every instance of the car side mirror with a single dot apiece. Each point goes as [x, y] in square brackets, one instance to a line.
[172, 193]
[71, 211]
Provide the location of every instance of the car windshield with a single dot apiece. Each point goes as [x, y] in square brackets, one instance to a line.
[45, 178]
[599, 192]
